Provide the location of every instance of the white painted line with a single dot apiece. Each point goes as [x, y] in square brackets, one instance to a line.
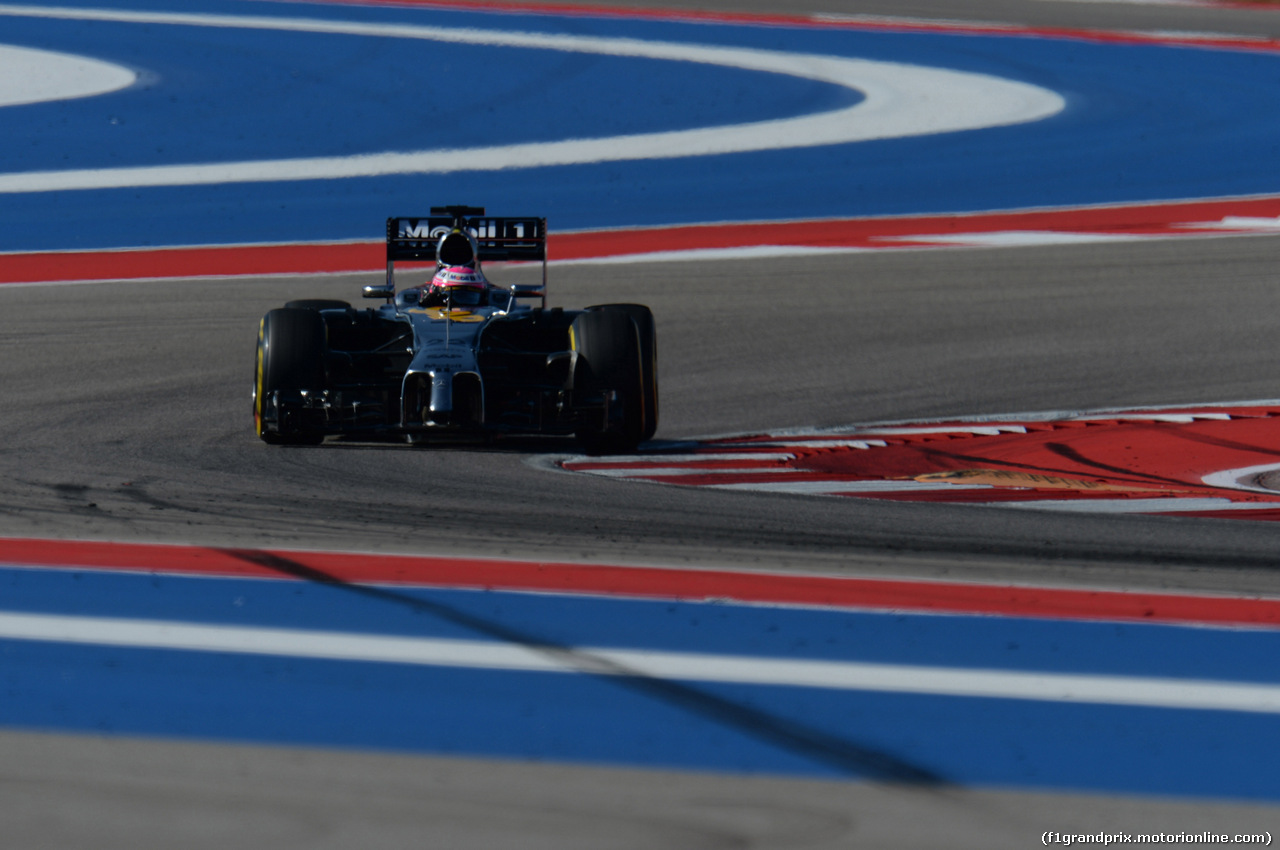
[976, 430]
[1231, 225]
[749, 252]
[296, 643]
[1199, 3]
[631, 460]
[674, 471]
[962, 682]
[1239, 223]
[899, 20]
[1014, 238]
[28, 76]
[1167, 505]
[828, 487]
[1209, 410]
[1234, 479]
[1176, 418]
[898, 100]
[1200, 35]
[696, 667]
[833, 443]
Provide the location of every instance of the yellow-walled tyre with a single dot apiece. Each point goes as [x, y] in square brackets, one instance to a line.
[290, 358]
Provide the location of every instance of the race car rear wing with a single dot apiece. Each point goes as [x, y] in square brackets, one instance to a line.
[506, 239]
[498, 239]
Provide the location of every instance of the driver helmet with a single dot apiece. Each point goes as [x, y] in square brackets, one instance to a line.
[462, 286]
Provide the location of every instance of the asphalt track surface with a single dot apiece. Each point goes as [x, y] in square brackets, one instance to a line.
[127, 418]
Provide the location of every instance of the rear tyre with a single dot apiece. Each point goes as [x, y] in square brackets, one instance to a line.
[290, 358]
[609, 364]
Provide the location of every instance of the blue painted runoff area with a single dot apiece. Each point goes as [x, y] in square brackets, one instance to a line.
[641, 720]
[1142, 123]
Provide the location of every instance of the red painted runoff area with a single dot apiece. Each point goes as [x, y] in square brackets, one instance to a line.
[1167, 220]
[1211, 461]
[764, 588]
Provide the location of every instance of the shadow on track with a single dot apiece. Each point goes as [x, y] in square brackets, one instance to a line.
[848, 757]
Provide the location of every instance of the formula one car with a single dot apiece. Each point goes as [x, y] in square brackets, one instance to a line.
[458, 356]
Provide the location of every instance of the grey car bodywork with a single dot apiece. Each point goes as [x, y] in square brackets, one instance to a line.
[414, 370]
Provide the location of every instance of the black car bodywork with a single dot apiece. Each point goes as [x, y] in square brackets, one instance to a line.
[410, 370]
